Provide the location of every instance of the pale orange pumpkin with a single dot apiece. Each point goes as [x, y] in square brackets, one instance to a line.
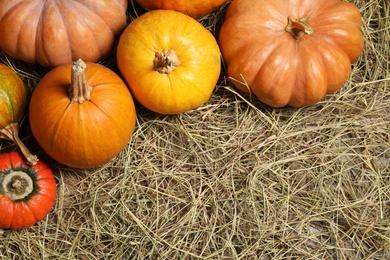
[290, 52]
[82, 114]
[169, 60]
[193, 8]
[57, 32]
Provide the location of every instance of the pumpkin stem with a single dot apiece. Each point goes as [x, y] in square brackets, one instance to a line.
[166, 61]
[79, 88]
[11, 132]
[298, 27]
[17, 185]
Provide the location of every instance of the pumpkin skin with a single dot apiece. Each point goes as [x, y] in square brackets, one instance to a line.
[193, 8]
[13, 104]
[170, 61]
[27, 193]
[290, 52]
[13, 96]
[82, 131]
[56, 32]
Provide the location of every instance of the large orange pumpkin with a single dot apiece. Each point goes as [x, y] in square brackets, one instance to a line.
[169, 60]
[82, 114]
[56, 32]
[193, 8]
[13, 104]
[290, 52]
[27, 193]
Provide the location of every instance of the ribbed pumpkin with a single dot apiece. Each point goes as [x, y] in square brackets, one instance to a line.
[13, 104]
[290, 52]
[27, 193]
[82, 114]
[169, 60]
[193, 8]
[57, 32]
[13, 96]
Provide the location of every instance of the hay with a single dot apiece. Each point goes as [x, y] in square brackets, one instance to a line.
[234, 179]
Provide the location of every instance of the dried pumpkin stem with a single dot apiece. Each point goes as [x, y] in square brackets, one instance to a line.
[298, 27]
[11, 132]
[166, 61]
[79, 90]
[17, 185]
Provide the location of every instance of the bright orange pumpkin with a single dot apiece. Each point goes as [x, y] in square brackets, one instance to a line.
[193, 8]
[169, 60]
[82, 114]
[27, 193]
[57, 32]
[13, 104]
[290, 52]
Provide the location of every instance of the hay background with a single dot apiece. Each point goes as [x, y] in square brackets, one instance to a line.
[233, 179]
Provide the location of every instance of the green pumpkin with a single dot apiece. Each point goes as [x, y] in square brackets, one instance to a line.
[13, 105]
[13, 97]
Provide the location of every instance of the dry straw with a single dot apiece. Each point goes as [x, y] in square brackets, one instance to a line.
[234, 179]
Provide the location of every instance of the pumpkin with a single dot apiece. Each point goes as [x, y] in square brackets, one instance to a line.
[57, 32]
[193, 8]
[13, 103]
[27, 193]
[82, 114]
[290, 52]
[170, 61]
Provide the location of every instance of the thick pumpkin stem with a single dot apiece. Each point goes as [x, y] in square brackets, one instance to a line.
[298, 27]
[17, 185]
[166, 61]
[11, 132]
[79, 90]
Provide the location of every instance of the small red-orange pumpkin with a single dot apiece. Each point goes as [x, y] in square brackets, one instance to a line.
[27, 193]
[82, 114]
[290, 52]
